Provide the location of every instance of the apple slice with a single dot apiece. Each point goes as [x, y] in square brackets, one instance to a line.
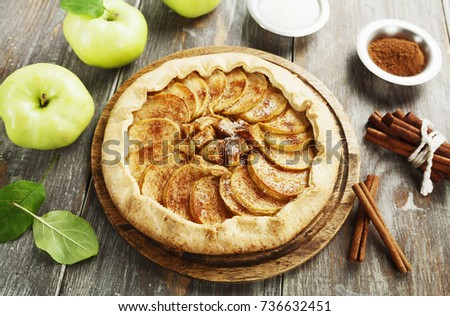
[187, 130]
[213, 169]
[247, 193]
[217, 83]
[205, 122]
[156, 153]
[234, 148]
[202, 138]
[290, 122]
[255, 92]
[288, 143]
[271, 106]
[164, 105]
[199, 88]
[186, 148]
[206, 205]
[227, 197]
[155, 177]
[236, 84]
[296, 160]
[181, 91]
[213, 152]
[279, 184]
[178, 189]
[145, 132]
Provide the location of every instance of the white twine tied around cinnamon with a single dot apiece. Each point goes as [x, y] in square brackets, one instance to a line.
[424, 154]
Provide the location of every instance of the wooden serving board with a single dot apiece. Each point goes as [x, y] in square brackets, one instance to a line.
[253, 266]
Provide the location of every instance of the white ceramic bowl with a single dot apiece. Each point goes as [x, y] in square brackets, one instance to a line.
[291, 18]
[401, 29]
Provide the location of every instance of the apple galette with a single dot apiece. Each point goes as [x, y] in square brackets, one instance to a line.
[220, 154]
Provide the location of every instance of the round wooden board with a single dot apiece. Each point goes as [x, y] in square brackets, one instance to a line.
[249, 267]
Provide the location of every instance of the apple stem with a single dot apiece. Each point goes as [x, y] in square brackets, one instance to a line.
[111, 16]
[43, 100]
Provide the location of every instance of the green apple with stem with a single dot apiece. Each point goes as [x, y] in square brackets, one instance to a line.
[192, 8]
[104, 33]
[44, 106]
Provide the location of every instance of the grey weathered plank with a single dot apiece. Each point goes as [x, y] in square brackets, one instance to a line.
[420, 224]
[119, 269]
[31, 33]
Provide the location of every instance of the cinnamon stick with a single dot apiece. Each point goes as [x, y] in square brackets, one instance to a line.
[376, 119]
[405, 134]
[410, 133]
[399, 114]
[372, 211]
[377, 211]
[403, 148]
[436, 175]
[359, 240]
[390, 119]
[415, 121]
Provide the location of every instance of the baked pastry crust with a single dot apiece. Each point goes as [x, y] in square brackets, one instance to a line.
[239, 234]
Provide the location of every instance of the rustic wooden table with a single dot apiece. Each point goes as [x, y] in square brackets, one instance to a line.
[31, 32]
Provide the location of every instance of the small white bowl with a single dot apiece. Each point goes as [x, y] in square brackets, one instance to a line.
[291, 18]
[401, 29]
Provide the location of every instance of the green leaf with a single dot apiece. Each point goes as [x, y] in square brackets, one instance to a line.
[67, 238]
[14, 222]
[92, 8]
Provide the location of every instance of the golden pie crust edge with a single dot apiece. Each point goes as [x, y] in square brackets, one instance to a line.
[240, 234]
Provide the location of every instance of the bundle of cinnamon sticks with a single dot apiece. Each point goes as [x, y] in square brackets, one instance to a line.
[401, 133]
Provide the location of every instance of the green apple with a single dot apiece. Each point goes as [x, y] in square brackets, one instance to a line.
[44, 106]
[112, 40]
[192, 8]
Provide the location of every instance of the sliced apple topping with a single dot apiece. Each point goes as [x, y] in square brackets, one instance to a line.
[156, 153]
[213, 169]
[206, 121]
[217, 83]
[145, 132]
[181, 91]
[294, 160]
[227, 196]
[250, 159]
[271, 106]
[164, 105]
[289, 143]
[206, 205]
[158, 174]
[186, 148]
[178, 189]
[236, 84]
[247, 193]
[255, 92]
[203, 137]
[213, 152]
[229, 128]
[199, 88]
[289, 122]
[187, 130]
[278, 183]
[234, 147]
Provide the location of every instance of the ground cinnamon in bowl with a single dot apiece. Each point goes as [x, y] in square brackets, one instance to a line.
[397, 56]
